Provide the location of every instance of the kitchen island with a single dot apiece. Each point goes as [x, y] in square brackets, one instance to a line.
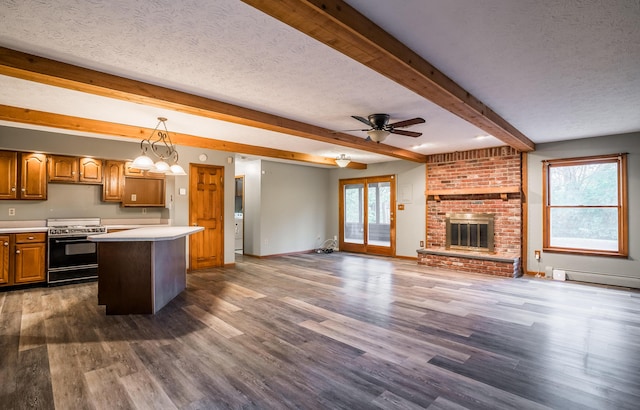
[141, 270]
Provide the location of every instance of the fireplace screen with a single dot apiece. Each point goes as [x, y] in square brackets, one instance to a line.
[472, 232]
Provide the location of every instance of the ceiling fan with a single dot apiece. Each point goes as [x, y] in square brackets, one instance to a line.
[380, 127]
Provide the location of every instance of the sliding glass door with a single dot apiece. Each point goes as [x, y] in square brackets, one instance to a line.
[366, 215]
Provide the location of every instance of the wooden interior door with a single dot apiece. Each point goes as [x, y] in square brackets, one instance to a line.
[367, 219]
[206, 200]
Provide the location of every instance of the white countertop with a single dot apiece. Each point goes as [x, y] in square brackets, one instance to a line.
[147, 234]
[24, 229]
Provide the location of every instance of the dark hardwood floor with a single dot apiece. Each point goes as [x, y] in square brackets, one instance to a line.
[327, 331]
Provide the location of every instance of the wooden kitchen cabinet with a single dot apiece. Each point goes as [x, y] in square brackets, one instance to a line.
[23, 175]
[113, 181]
[23, 258]
[143, 192]
[8, 175]
[30, 258]
[33, 176]
[69, 169]
[5, 241]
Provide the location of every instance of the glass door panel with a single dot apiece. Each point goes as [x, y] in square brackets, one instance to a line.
[379, 216]
[354, 213]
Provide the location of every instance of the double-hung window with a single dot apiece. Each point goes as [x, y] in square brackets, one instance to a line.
[585, 205]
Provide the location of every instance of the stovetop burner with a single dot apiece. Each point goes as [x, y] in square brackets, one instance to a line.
[75, 226]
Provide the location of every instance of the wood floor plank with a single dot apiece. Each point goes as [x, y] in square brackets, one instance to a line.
[336, 331]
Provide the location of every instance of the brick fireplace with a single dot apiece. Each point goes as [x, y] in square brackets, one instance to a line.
[478, 182]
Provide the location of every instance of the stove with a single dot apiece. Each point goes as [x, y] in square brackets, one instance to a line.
[75, 227]
[71, 256]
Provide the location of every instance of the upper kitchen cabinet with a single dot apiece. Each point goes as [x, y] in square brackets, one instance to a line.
[8, 175]
[33, 176]
[113, 185]
[75, 170]
[26, 179]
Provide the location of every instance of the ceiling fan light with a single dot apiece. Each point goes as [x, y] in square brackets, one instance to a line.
[142, 162]
[342, 160]
[378, 135]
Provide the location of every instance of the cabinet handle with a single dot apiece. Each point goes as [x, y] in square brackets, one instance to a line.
[6, 244]
[23, 189]
[17, 250]
[13, 189]
[31, 238]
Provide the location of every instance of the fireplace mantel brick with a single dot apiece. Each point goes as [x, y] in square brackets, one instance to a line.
[470, 171]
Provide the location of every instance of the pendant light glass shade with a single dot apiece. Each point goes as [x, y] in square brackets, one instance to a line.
[177, 170]
[142, 162]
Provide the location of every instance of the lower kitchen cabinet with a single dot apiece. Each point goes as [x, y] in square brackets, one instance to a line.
[23, 258]
[5, 241]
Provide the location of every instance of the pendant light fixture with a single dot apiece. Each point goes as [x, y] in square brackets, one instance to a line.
[160, 145]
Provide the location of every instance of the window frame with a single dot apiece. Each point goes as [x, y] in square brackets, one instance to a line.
[622, 206]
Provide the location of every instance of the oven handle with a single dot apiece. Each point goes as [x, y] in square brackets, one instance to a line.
[71, 240]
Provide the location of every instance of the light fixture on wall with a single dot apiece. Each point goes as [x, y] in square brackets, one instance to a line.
[342, 160]
[160, 145]
[378, 135]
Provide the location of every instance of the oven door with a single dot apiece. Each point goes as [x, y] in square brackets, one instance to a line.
[72, 258]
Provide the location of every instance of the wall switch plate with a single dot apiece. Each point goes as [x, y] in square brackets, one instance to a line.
[422, 244]
[537, 254]
[133, 197]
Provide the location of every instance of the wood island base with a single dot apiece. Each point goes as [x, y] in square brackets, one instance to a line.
[140, 277]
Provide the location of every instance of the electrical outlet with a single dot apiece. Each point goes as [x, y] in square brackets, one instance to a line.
[12, 211]
[537, 253]
[422, 244]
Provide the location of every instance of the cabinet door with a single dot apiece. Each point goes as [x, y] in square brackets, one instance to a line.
[33, 176]
[113, 184]
[90, 170]
[4, 259]
[30, 261]
[63, 168]
[143, 192]
[8, 175]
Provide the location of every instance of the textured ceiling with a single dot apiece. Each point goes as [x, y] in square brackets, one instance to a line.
[554, 69]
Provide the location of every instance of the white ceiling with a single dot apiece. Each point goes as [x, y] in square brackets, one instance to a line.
[555, 70]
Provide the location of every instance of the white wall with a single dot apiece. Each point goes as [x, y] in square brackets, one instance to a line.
[285, 208]
[606, 270]
[410, 222]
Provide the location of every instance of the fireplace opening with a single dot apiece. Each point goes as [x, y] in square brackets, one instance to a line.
[473, 232]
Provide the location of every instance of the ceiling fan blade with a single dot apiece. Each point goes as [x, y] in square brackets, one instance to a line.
[405, 133]
[407, 123]
[363, 120]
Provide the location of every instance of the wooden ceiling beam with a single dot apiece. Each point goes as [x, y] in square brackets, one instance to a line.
[45, 119]
[42, 70]
[340, 26]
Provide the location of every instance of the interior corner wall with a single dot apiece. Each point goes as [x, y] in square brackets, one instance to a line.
[597, 269]
[252, 197]
[293, 209]
[410, 187]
